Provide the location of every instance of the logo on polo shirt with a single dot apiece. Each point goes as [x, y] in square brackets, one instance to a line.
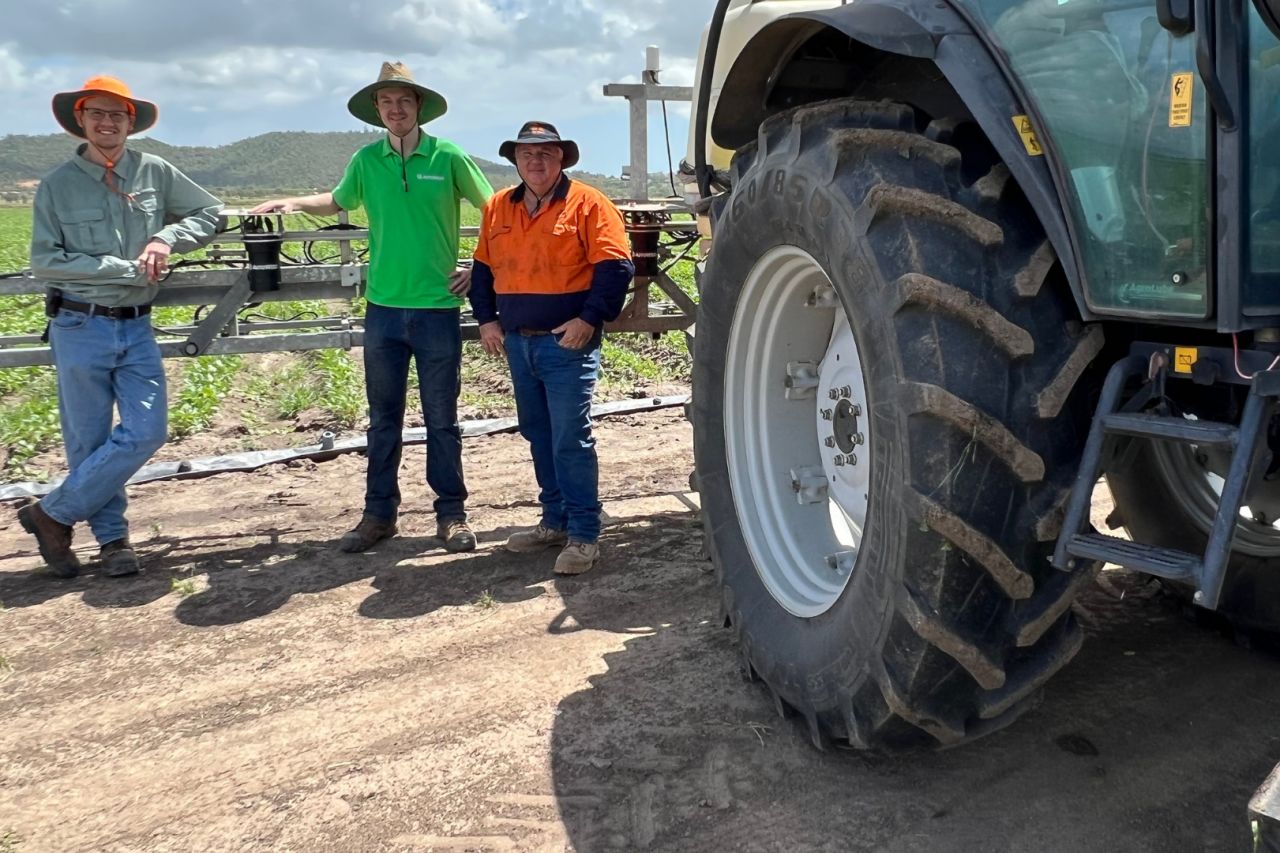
[430, 177]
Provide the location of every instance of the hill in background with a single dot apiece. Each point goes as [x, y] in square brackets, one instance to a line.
[270, 164]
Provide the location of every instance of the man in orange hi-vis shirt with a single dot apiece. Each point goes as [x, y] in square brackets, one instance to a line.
[552, 266]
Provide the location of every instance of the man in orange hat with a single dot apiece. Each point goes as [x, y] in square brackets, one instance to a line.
[410, 183]
[105, 224]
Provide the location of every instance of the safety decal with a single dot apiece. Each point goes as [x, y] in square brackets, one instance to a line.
[1184, 358]
[1180, 91]
[1028, 134]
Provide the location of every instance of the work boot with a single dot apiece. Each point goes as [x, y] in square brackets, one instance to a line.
[366, 534]
[118, 559]
[54, 539]
[457, 535]
[577, 557]
[537, 539]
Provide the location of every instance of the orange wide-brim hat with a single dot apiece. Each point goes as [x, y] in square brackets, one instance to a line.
[64, 104]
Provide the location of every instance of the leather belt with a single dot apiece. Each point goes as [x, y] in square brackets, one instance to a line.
[127, 312]
[533, 333]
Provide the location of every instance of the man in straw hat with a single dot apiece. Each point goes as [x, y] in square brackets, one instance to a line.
[410, 184]
[105, 224]
[551, 267]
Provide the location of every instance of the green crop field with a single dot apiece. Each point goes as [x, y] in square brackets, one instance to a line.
[277, 399]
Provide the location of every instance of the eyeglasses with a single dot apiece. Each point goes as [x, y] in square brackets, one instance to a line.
[116, 116]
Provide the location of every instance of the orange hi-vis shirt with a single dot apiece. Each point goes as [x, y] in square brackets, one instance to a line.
[543, 265]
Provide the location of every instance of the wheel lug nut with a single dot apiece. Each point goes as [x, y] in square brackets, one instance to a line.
[829, 441]
[826, 414]
[839, 460]
[845, 391]
[833, 394]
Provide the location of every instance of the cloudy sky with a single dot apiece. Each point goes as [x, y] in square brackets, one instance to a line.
[225, 71]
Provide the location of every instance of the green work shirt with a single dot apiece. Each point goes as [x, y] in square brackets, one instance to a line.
[85, 237]
[413, 217]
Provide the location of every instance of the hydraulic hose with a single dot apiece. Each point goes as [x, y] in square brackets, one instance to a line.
[701, 169]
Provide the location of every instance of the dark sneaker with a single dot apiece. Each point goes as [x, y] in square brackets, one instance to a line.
[118, 559]
[53, 538]
[538, 539]
[457, 536]
[577, 557]
[366, 534]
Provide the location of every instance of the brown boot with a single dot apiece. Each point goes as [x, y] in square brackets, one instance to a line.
[577, 557]
[118, 559]
[535, 539]
[366, 534]
[54, 539]
[457, 535]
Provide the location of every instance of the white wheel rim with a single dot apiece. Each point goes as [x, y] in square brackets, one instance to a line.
[796, 437]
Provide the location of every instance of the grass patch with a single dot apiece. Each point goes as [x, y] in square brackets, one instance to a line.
[326, 380]
[183, 588]
[9, 841]
[205, 383]
[486, 601]
[29, 422]
[631, 363]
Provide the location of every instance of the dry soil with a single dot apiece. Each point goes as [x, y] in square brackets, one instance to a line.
[256, 689]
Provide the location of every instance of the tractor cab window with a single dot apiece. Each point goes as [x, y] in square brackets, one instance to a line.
[1263, 197]
[1124, 114]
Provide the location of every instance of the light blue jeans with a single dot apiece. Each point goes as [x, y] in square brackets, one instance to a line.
[553, 388]
[105, 364]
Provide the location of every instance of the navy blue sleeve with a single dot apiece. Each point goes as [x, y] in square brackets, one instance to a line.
[609, 280]
[484, 304]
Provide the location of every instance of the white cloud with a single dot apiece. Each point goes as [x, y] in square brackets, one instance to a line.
[16, 77]
[242, 67]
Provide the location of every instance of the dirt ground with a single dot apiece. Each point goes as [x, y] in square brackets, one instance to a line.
[256, 689]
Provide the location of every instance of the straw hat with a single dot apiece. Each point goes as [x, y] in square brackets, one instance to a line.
[394, 74]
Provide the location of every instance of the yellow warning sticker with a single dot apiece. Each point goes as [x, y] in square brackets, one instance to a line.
[1028, 134]
[1184, 358]
[1180, 91]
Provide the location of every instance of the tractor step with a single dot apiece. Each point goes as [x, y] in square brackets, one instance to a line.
[1166, 563]
[1203, 571]
[1176, 429]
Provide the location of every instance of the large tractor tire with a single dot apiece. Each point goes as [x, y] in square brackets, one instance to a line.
[1168, 494]
[889, 406]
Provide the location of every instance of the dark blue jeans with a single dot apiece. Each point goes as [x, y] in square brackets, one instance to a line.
[432, 336]
[553, 388]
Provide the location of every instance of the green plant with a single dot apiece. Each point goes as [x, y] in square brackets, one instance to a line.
[486, 601]
[184, 587]
[343, 385]
[205, 382]
[29, 420]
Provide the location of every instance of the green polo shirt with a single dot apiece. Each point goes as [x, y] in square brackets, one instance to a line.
[413, 217]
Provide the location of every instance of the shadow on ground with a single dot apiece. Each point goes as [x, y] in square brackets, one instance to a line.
[1153, 739]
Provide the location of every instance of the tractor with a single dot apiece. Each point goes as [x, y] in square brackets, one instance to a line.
[966, 258]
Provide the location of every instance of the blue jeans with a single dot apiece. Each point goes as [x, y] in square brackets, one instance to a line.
[434, 339]
[104, 364]
[553, 387]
